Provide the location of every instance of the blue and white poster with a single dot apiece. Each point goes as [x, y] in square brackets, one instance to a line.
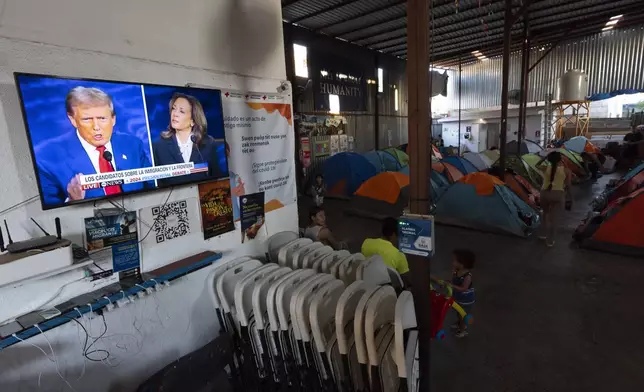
[252, 214]
[416, 235]
[115, 237]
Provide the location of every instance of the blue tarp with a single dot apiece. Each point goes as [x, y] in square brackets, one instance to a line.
[353, 168]
[602, 96]
[382, 161]
[462, 164]
[500, 211]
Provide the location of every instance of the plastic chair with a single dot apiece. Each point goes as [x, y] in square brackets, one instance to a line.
[396, 280]
[348, 269]
[347, 367]
[226, 284]
[298, 255]
[212, 290]
[379, 337]
[309, 258]
[374, 271]
[278, 241]
[286, 252]
[406, 342]
[329, 260]
[322, 327]
[259, 328]
[361, 378]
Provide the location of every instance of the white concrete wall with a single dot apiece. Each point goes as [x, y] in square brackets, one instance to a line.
[232, 44]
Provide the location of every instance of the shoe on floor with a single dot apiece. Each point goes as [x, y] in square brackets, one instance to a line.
[550, 244]
[543, 237]
[461, 333]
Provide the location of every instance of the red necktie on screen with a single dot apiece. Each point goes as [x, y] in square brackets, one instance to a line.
[106, 167]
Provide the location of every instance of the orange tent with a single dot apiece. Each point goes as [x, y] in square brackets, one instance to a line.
[437, 152]
[452, 173]
[384, 186]
[622, 224]
[523, 189]
[483, 182]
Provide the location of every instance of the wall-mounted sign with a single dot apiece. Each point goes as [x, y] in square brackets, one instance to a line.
[334, 75]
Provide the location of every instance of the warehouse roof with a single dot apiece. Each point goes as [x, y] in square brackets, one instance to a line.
[460, 27]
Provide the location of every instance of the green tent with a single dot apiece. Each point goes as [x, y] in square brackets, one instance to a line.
[400, 155]
[522, 168]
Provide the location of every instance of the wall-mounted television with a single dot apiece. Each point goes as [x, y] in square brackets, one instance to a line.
[92, 139]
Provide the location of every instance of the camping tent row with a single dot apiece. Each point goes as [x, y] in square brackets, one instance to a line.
[629, 183]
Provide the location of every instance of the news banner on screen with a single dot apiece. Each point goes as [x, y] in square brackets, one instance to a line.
[92, 139]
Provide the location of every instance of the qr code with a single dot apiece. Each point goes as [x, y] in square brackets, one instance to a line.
[171, 221]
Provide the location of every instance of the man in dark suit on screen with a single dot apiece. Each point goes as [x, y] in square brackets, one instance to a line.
[92, 149]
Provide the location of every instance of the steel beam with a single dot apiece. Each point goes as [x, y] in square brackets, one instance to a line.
[507, 40]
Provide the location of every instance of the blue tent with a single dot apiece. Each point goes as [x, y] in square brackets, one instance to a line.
[439, 185]
[576, 144]
[462, 164]
[382, 161]
[501, 211]
[346, 171]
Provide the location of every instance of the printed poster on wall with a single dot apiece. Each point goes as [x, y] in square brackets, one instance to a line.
[216, 208]
[115, 237]
[334, 142]
[259, 131]
[169, 221]
[252, 214]
[344, 143]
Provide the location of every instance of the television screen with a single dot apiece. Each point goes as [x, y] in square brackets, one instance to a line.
[92, 139]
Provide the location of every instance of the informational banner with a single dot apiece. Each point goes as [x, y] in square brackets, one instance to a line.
[170, 221]
[252, 215]
[259, 131]
[216, 208]
[416, 235]
[334, 143]
[344, 143]
[115, 237]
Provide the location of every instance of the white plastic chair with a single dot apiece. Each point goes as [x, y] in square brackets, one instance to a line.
[259, 328]
[286, 252]
[309, 258]
[347, 367]
[348, 269]
[298, 255]
[379, 337]
[278, 241]
[212, 289]
[374, 271]
[396, 280]
[406, 350]
[334, 267]
[225, 285]
[326, 263]
[322, 327]
[361, 378]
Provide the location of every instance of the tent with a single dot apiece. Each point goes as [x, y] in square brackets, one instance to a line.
[401, 157]
[450, 172]
[522, 168]
[435, 151]
[383, 161]
[629, 183]
[462, 164]
[580, 144]
[618, 228]
[481, 201]
[384, 187]
[480, 161]
[345, 172]
[438, 186]
[572, 160]
[522, 188]
[526, 147]
[491, 155]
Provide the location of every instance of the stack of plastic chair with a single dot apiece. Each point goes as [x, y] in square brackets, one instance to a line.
[334, 268]
[277, 242]
[406, 343]
[361, 379]
[301, 253]
[308, 259]
[373, 270]
[379, 338]
[325, 264]
[285, 254]
[211, 282]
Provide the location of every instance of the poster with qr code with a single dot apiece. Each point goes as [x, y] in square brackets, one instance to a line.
[169, 221]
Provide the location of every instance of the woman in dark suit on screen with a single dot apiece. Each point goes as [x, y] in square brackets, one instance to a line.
[186, 140]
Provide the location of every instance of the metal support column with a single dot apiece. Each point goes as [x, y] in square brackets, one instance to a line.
[419, 146]
[460, 71]
[376, 103]
[523, 100]
[507, 38]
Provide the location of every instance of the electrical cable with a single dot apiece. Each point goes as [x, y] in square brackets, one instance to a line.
[55, 360]
[20, 204]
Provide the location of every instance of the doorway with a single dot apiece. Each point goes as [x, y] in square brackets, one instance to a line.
[493, 135]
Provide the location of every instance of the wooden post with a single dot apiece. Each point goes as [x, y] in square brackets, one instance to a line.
[419, 150]
[507, 39]
[525, 58]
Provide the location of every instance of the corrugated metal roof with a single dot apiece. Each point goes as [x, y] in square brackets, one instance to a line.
[459, 27]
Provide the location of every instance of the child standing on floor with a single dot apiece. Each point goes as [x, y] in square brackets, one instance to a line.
[319, 190]
[462, 286]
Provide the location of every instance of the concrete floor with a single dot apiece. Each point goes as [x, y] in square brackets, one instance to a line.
[546, 319]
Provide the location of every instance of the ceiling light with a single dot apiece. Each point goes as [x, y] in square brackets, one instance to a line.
[607, 28]
[476, 52]
[485, 59]
[612, 22]
[616, 17]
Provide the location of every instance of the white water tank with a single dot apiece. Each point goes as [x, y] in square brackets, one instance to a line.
[572, 86]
